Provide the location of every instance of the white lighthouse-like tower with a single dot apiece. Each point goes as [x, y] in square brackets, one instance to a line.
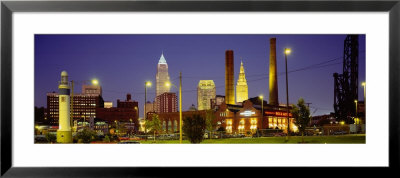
[64, 134]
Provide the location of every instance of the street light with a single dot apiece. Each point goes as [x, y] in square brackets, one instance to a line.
[130, 128]
[95, 82]
[363, 84]
[137, 117]
[356, 118]
[287, 52]
[116, 127]
[355, 101]
[146, 84]
[169, 84]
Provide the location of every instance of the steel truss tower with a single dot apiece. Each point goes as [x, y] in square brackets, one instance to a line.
[346, 84]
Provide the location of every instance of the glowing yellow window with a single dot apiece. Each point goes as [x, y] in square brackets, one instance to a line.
[241, 126]
[228, 126]
[253, 126]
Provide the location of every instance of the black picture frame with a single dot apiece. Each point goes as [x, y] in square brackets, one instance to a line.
[8, 7]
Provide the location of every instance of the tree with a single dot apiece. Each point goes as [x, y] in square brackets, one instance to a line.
[210, 121]
[106, 139]
[86, 136]
[301, 115]
[194, 128]
[154, 125]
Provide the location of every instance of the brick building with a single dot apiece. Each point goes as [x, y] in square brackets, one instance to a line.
[166, 102]
[84, 106]
[247, 118]
[126, 111]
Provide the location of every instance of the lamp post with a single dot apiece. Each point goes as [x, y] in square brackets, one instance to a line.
[116, 128]
[146, 84]
[169, 84]
[262, 110]
[130, 128]
[363, 84]
[287, 52]
[137, 118]
[356, 118]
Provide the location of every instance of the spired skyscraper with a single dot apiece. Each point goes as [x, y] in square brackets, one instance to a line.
[162, 76]
[242, 91]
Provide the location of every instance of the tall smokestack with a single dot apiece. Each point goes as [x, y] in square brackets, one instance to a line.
[229, 83]
[273, 81]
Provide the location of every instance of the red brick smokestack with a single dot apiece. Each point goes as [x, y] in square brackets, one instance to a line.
[273, 81]
[229, 80]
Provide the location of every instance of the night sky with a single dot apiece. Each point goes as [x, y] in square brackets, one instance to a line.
[122, 63]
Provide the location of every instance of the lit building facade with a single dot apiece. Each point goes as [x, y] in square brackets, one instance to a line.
[84, 106]
[166, 102]
[162, 76]
[108, 104]
[125, 112]
[205, 92]
[242, 92]
[248, 118]
[92, 90]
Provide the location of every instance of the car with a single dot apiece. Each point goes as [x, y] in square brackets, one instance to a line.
[280, 134]
[339, 133]
[129, 142]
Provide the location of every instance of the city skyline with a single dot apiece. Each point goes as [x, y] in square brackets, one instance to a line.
[122, 63]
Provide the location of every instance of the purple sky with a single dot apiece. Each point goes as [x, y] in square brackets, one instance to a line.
[122, 63]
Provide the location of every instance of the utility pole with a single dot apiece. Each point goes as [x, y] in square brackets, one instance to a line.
[308, 106]
[180, 107]
[72, 103]
[287, 51]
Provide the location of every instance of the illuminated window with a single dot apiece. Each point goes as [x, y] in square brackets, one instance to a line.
[253, 125]
[175, 125]
[228, 126]
[241, 126]
[164, 125]
[169, 126]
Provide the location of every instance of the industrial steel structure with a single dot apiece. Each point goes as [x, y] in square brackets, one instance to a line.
[346, 84]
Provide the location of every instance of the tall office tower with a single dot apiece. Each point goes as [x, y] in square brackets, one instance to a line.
[273, 81]
[229, 82]
[166, 102]
[205, 92]
[162, 76]
[64, 133]
[242, 92]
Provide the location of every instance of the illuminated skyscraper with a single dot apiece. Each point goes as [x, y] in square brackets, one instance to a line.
[162, 76]
[205, 92]
[242, 92]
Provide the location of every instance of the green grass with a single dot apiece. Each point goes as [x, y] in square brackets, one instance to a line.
[349, 139]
